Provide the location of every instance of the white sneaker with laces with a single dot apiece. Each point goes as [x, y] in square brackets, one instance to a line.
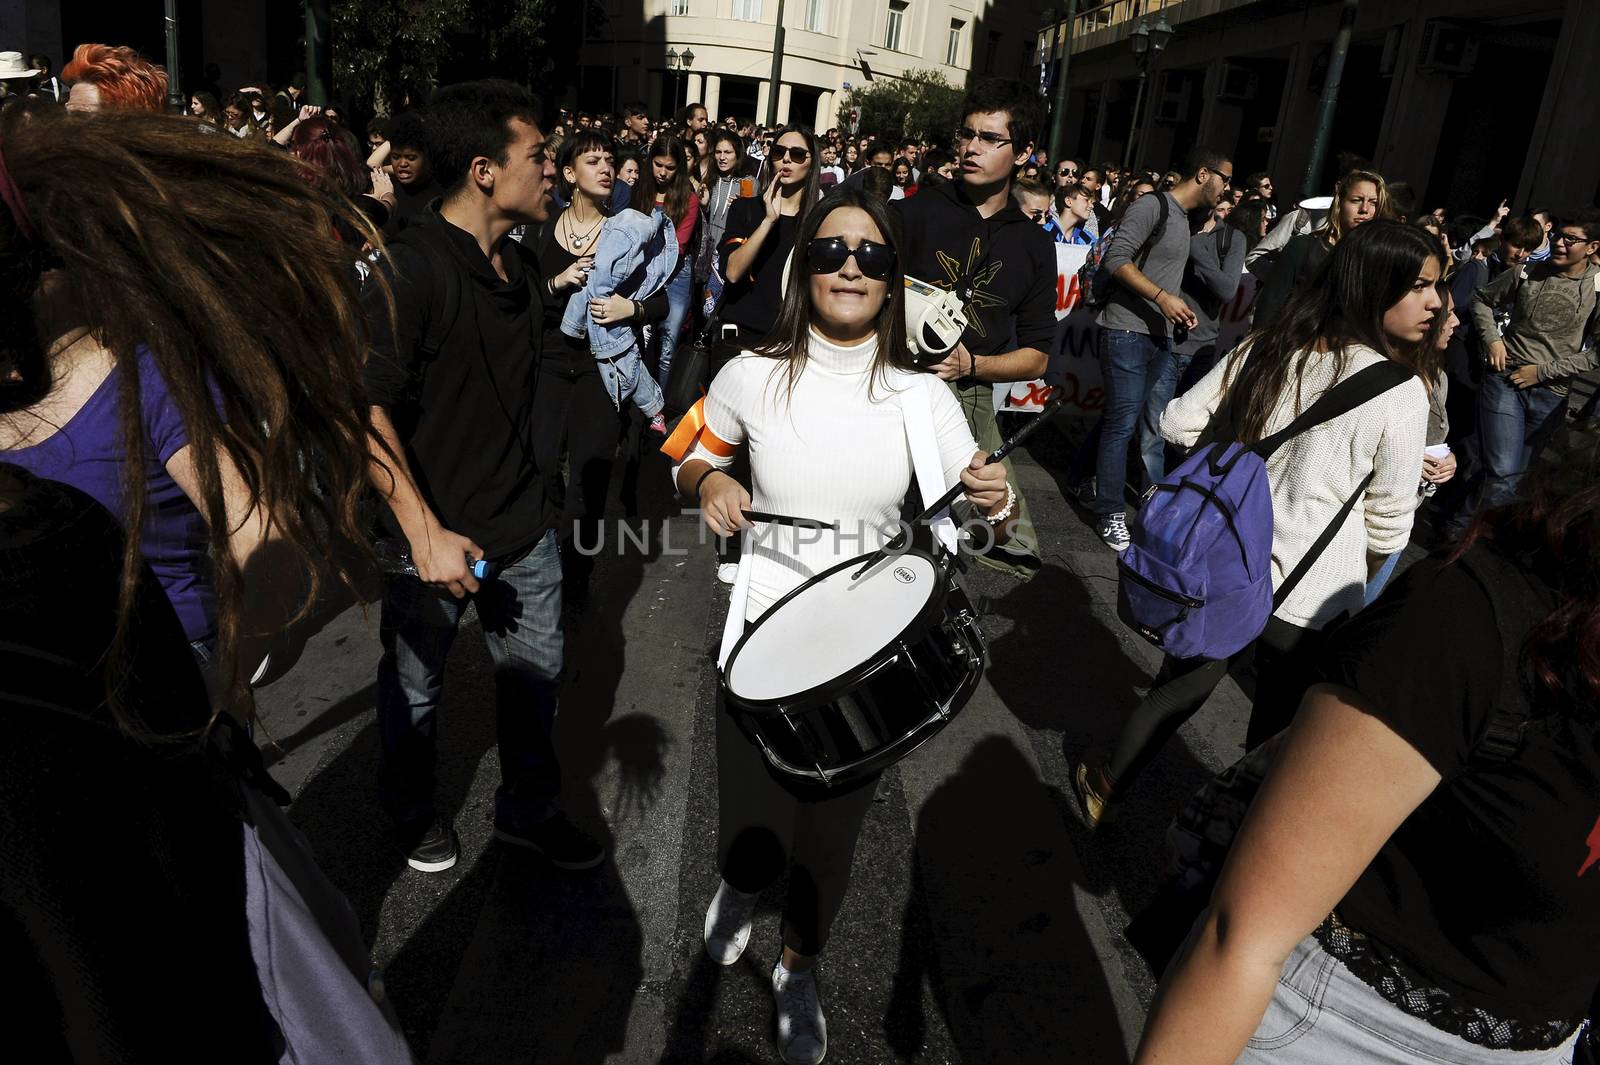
[728, 924]
[728, 572]
[1113, 530]
[802, 1029]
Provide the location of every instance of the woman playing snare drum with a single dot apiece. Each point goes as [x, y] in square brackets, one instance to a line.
[819, 405]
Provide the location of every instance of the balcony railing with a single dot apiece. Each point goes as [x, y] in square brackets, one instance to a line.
[1114, 12]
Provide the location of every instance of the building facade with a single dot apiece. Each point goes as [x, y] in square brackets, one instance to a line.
[1470, 101]
[829, 46]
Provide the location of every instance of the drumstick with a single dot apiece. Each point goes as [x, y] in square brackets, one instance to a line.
[1006, 447]
[787, 519]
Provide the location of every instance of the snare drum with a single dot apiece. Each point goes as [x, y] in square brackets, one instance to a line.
[841, 678]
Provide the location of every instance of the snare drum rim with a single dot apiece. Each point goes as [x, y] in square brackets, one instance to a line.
[827, 691]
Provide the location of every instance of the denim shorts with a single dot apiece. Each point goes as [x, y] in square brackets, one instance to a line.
[1322, 1014]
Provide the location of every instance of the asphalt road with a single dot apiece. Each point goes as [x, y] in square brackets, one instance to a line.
[983, 923]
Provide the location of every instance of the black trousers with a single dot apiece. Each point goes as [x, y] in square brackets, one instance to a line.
[573, 396]
[1281, 659]
[768, 824]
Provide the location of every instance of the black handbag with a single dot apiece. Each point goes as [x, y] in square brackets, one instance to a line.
[686, 383]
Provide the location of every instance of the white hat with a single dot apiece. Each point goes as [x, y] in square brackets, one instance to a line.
[12, 66]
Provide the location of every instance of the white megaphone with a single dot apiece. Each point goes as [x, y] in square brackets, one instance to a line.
[935, 320]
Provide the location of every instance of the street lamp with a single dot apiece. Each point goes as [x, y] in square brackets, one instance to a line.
[678, 62]
[1148, 42]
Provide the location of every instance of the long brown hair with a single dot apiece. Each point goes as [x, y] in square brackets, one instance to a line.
[149, 230]
[1367, 273]
[677, 193]
[791, 333]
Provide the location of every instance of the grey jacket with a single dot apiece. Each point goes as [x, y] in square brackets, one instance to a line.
[1552, 317]
[1216, 265]
[1303, 219]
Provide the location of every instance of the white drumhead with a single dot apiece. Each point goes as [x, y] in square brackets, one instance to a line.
[829, 627]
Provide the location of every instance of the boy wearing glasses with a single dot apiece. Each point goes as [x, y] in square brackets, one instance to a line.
[1554, 319]
[969, 236]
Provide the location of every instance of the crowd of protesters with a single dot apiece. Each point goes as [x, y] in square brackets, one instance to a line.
[178, 465]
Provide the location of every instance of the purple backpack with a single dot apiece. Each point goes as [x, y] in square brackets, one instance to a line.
[1197, 579]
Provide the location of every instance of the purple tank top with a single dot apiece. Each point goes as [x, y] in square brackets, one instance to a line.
[87, 453]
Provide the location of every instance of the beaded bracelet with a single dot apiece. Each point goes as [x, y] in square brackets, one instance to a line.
[1005, 511]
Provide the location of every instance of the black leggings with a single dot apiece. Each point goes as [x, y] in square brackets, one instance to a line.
[1281, 657]
[767, 824]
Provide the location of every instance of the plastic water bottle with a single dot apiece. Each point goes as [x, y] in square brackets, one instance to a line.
[394, 556]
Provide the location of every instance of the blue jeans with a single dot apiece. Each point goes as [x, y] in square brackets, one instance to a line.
[1131, 365]
[680, 294]
[1322, 1014]
[1513, 425]
[1152, 445]
[520, 612]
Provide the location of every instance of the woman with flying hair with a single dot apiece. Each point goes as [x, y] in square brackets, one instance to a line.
[1359, 197]
[114, 78]
[146, 873]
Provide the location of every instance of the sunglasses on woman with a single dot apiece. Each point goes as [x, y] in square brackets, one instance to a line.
[795, 153]
[826, 255]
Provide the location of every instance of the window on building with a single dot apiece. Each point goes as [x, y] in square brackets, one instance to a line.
[815, 15]
[991, 53]
[952, 47]
[892, 33]
[747, 10]
[679, 7]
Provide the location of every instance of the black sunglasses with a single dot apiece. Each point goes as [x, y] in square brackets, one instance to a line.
[826, 255]
[795, 152]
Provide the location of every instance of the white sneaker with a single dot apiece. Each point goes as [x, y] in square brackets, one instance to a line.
[1113, 530]
[802, 1029]
[728, 572]
[728, 924]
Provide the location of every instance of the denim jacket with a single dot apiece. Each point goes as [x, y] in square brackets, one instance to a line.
[634, 257]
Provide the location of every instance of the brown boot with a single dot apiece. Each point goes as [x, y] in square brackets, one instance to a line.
[1095, 791]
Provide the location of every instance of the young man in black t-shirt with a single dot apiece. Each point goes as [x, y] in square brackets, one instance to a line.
[970, 237]
[452, 387]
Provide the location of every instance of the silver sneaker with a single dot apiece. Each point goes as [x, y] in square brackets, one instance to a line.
[802, 1029]
[728, 924]
[1113, 529]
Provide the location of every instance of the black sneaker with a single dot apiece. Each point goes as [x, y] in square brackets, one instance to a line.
[437, 849]
[563, 844]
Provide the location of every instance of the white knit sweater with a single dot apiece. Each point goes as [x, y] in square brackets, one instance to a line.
[1314, 473]
[829, 451]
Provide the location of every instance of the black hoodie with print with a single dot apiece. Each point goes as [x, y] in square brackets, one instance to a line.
[1004, 266]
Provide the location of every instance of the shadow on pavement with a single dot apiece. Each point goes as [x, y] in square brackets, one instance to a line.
[1062, 670]
[991, 926]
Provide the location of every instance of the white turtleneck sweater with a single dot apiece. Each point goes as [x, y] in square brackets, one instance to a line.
[829, 451]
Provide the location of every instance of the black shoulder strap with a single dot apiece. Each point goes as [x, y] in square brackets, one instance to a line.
[1343, 397]
[1516, 612]
[1142, 256]
[1347, 395]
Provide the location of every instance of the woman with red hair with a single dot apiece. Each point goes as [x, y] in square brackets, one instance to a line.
[331, 165]
[114, 77]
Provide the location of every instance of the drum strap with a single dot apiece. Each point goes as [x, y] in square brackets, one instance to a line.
[916, 409]
[733, 625]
